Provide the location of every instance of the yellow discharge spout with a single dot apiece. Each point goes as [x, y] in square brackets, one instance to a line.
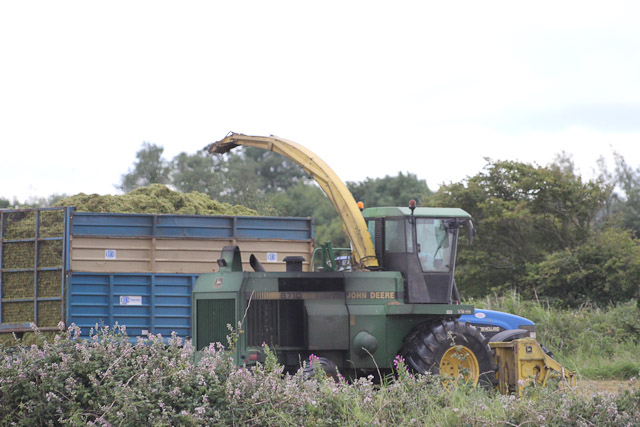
[363, 253]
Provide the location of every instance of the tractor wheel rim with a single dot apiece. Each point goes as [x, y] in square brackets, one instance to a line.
[459, 361]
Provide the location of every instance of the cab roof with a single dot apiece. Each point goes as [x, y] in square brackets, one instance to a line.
[418, 212]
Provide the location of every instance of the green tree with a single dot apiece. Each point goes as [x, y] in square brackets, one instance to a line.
[522, 213]
[273, 171]
[5, 203]
[253, 176]
[248, 176]
[243, 186]
[308, 200]
[390, 190]
[150, 168]
[199, 172]
[626, 200]
[604, 269]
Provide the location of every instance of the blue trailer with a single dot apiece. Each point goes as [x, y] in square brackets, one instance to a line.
[59, 265]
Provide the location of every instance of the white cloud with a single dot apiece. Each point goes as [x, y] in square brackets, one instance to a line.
[373, 88]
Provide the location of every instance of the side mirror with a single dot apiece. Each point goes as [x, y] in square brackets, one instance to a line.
[471, 231]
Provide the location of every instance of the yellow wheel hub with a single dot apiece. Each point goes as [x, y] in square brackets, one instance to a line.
[459, 362]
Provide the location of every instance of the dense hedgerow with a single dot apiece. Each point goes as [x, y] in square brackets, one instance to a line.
[107, 380]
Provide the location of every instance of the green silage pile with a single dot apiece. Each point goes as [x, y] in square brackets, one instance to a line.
[22, 224]
[155, 199]
[21, 278]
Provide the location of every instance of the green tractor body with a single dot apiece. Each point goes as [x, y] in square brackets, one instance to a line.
[358, 320]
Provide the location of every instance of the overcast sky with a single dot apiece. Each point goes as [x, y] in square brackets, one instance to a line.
[373, 88]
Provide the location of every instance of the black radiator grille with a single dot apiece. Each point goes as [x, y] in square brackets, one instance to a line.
[212, 319]
[276, 323]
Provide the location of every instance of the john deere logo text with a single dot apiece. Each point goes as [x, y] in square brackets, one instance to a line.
[371, 295]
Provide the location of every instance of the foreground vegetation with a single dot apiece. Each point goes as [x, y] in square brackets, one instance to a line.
[108, 380]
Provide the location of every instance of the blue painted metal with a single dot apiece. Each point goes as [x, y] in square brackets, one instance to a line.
[144, 303]
[1, 258]
[190, 226]
[496, 318]
[66, 248]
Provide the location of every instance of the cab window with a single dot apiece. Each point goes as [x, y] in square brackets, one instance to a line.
[394, 236]
[434, 247]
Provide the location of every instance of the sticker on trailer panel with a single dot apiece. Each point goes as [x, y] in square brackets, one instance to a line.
[217, 283]
[272, 257]
[110, 254]
[130, 300]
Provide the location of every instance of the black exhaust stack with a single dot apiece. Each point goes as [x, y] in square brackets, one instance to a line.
[255, 264]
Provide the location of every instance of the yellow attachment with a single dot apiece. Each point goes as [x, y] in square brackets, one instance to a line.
[363, 252]
[522, 363]
[459, 361]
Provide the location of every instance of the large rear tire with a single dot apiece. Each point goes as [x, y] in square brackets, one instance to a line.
[451, 349]
[322, 363]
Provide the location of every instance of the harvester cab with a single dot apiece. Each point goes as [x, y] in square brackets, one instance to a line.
[421, 243]
[398, 298]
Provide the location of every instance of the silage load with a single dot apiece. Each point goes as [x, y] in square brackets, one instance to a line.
[22, 279]
[155, 199]
[22, 224]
